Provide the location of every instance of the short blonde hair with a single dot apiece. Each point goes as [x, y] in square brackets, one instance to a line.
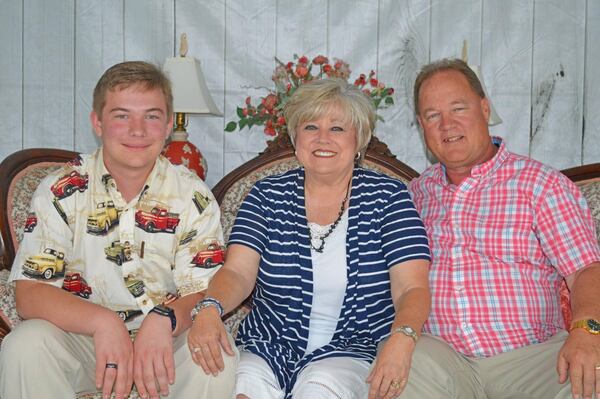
[314, 99]
[130, 73]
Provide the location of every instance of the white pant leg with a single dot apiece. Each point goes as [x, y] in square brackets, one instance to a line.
[190, 380]
[333, 378]
[255, 379]
[39, 360]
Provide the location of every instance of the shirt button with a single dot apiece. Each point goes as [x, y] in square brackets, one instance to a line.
[144, 302]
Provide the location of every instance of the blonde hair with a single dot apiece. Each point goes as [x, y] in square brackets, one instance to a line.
[127, 74]
[314, 99]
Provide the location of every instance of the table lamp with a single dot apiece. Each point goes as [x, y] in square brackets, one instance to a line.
[190, 96]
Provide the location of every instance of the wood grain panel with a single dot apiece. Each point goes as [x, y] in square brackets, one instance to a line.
[203, 22]
[506, 56]
[250, 40]
[148, 30]
[48, 73]
[403, 49]
[302, 29]
[557, 82]
[98, 45]
[591, 111]
[11, 77]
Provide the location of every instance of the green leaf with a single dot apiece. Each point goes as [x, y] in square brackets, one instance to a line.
[389, 100]
[231, 126]
[240, 112]
[243, 122]
[376, 102]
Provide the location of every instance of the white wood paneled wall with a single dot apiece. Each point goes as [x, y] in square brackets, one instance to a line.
[539, 57]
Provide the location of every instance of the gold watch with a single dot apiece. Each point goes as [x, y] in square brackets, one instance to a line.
[590, 325]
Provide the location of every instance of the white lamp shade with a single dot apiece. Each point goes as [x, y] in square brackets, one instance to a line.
[190, 94]
[494, 118]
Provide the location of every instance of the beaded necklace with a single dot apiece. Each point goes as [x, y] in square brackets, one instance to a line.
[332, 226]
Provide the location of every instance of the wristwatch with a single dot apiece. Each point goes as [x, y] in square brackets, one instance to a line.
[204, 303]
[167, 312]
[590, 325]
[408, 331]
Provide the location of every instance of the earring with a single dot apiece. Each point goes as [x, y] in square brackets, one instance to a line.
[295, 153]
[357, 157]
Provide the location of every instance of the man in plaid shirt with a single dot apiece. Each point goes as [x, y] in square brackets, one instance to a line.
[505, 232]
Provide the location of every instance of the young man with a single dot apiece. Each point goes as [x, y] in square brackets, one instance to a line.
[504, 231]
[116, 250]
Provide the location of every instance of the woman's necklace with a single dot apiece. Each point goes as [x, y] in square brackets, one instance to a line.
[314, 236]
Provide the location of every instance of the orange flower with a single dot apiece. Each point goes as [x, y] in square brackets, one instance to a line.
[301, 71]
[320, 60]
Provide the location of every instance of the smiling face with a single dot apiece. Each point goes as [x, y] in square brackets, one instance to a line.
[455, 122]
[327, 145]
[133, 127]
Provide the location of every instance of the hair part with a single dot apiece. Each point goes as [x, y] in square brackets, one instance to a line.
[443, 65]
[314, 99]
[132, 73]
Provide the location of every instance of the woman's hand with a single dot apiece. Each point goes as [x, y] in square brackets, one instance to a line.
[205, 340]
[389, 375]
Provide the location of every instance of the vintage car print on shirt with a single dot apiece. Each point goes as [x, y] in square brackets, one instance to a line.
[135, 286]
[50, 263]
[67, 184]
[157, 220]
[130, 314]
[118, 252]
[76, 284]
[201, 201]
[31, 222]
[211, 255]
[103, 219]
[188, 237]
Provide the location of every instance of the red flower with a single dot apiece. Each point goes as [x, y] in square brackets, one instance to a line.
[367, 92]
[248, 100]
[303, 60]
[374, 82]
[361, 81]
[269, 128]
[320, 60]
[281, 120]
[327, 68]
[289, 66]
[245, 111]
[301, 71]
[270, 101]
[390, 91]
[338, 64]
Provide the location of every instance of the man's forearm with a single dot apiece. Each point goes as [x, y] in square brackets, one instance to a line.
[42, 301]
[585, 295]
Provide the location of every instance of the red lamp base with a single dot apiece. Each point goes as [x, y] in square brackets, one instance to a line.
[181, 152]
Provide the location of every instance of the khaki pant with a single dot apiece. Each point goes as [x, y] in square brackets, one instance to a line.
[39, 360]
[437, 371]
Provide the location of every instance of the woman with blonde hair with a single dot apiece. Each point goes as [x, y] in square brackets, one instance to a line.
[337, 257]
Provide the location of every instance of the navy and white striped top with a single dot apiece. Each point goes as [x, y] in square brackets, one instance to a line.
[384, 229]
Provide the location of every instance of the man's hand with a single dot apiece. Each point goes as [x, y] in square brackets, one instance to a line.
[205, 340]
[389, 376]
[154, 364]
[577, 360]
[114, 349]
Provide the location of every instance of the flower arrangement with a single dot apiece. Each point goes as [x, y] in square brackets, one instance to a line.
[288, 77]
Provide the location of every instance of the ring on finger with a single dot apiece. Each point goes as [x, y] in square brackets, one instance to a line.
[111, 366]
[196, 350]
[597, 366]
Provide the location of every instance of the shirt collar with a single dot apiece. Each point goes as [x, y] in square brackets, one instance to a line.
[156, 175]
[481, 170]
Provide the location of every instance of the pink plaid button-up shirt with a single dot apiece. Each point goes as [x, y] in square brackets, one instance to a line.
[501, 242]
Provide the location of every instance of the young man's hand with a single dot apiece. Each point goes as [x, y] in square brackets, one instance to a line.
[114, 356]
[154, 364]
